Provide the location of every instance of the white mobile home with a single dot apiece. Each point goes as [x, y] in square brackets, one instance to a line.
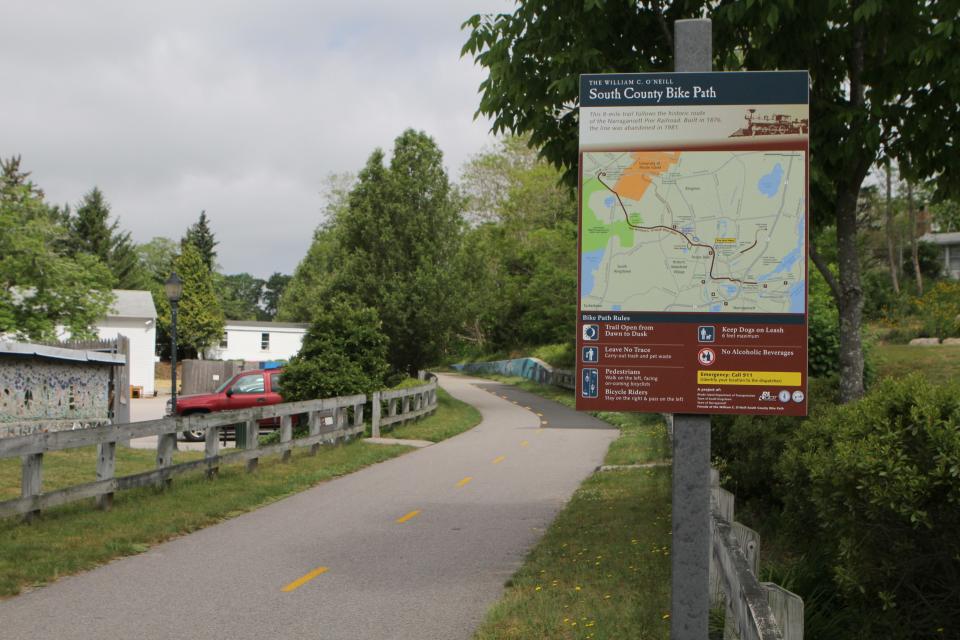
[255, 340]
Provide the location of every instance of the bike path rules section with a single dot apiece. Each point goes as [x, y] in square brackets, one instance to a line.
[693, 242]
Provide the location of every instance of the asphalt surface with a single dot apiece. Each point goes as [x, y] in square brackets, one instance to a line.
[416, 547]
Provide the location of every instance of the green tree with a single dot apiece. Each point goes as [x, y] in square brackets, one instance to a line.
[201, 237]
[398, 246]
[157, 258]
[302, 295]
[344, 352]
[200, 320]
[519, 262]
[859, 107]
[92, 232]
[240, 295]
[41, 285]
[272, 292]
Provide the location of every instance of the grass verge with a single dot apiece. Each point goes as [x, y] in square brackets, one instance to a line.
[602, 571]
[77, 537]
[452, 417]
[940, 362]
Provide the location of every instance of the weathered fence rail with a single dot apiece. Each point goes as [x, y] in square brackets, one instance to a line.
[754, 610]
[401, 405]
[347, 422]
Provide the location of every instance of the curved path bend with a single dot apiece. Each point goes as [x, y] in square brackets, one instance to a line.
[410, 547]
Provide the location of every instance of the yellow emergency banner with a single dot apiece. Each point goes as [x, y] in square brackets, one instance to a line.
[755, 378]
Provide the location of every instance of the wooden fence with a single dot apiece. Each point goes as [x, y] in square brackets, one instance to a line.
[402, 405]
[203, 376]
[754, 610]
[348, 422]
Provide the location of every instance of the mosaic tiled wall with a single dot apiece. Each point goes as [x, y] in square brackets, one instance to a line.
[45, 395]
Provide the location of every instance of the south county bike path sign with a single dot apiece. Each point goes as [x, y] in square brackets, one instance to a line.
[693, 242]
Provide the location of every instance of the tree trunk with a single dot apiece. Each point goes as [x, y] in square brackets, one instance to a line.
[851, 295]
[891, 249]
[914, 249]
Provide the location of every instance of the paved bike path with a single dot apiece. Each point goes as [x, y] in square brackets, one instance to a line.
[431, 575]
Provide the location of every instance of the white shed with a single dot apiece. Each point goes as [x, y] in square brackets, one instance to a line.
[256, 340]
[134, 316]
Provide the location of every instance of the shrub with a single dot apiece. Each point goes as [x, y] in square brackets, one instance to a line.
[824, 328]
[344, 352]
[880, 481]
[940, 307]
[747, 449]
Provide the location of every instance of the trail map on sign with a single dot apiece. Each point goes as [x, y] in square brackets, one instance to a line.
[696, 231]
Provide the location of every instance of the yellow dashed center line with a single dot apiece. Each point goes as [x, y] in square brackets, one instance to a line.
[409, 516]
[465, 481]
[524, 443]
[299, 582]
[544, 423]
[540, 414]
[499, 459]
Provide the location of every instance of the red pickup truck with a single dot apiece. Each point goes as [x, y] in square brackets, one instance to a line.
[256, 388]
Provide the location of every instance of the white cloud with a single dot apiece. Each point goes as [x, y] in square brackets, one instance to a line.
[240, 108]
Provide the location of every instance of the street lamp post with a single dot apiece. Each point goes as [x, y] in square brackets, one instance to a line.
[174, 289]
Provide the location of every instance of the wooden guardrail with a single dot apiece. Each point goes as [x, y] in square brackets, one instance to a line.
[402, 405]
[348, 422]
[754, 610]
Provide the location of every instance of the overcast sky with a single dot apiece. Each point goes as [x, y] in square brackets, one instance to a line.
[237, 107]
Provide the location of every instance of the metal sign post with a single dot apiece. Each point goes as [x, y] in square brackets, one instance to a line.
[692, 281]
[690, 546]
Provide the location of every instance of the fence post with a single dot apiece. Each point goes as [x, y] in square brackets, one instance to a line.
[212, 451]
[314, 428]
[787, 609]
[286, 435]
[358, 418]
[106, 467]
[166, 445]
[375, 415]
[31, 480]
[253, 442]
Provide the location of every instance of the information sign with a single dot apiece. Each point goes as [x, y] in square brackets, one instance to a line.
[693, 242]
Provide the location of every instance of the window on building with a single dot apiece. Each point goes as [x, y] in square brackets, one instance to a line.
[223, 341]
[265, 341]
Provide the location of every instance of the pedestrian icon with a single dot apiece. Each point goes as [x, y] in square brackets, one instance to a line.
[706, 357]
[591, 332]
[706, 334]
[590, 385]
[591, 354]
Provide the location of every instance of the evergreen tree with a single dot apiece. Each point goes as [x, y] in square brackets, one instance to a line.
[272, 292]
[343, 353]
[200, 320]
[240, 295]
[300, 299]
[201, 237]
[92, 232]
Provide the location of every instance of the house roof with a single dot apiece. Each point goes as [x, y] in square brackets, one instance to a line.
[59, 353]
[941, 238]
[266, 324]
[132, 304]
